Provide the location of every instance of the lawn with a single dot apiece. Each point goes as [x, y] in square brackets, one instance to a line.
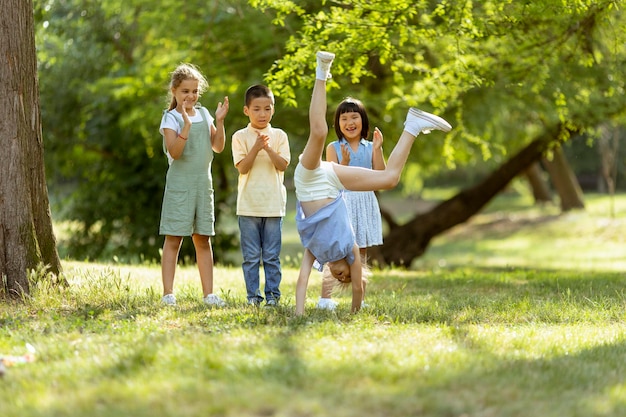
[518, 313]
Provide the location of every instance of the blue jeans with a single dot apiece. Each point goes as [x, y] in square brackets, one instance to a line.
[261, 240]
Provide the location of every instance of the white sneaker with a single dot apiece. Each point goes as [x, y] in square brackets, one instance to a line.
[419, 121]
[214, 300]
[324, 61]
[169, 300]
[326, 304]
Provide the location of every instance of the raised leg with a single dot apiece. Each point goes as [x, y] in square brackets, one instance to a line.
[312, 153]
[362, 179]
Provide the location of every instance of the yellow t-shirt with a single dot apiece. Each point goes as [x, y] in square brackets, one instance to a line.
[261, 192]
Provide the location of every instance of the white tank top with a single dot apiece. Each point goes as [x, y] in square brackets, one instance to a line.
[317, 184]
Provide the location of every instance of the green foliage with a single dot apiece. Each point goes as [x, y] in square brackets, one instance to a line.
[104, 74]
[501, 71]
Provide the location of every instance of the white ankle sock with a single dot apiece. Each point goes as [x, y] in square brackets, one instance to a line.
[412, 127]
[322, 71]
[322, 74]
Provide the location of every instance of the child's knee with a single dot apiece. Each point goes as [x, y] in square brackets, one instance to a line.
[201, 242]
[173, 241]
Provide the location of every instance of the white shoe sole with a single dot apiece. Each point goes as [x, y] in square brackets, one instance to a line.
[436, 120]
[325, 56]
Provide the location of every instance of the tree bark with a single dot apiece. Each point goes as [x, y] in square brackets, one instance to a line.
[564, 181]
[405, 243]
[608, 145]
[26, 236]
[539, 187]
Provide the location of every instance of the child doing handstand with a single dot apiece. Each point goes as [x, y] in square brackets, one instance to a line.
[321, 215]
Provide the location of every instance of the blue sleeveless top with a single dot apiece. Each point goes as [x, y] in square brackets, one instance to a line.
[361, 158]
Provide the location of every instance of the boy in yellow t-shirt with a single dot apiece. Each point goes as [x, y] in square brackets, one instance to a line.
[261, 155]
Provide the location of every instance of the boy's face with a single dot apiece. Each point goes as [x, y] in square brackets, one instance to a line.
[260, 112]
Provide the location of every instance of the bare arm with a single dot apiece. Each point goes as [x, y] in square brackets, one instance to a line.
[279, 162]
[218, 132]
[378, 159]
[175, 142]
[331, 154]
[245, 165]
[262, 143]
[303, 281]
[356, 274]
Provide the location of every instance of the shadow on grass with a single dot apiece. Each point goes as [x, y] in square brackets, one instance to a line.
[496, 295]
[452, 296]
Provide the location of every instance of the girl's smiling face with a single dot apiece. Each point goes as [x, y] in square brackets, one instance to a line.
[351, 124]
[187, 94]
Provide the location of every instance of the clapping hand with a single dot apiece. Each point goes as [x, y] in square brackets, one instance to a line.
[262, 141]
[345, 154]
[377, 139]
[222, 109]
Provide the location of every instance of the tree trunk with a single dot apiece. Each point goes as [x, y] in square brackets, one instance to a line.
[539, 187]
[564, 181]
[26, 235]
[405, 243]
[608, 144]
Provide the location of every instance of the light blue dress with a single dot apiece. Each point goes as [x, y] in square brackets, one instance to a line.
[363, 207]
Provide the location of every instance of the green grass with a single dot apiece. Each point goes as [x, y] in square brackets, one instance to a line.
[592, 239]
[519, 313]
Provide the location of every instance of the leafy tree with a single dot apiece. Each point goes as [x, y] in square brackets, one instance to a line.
[504, 73]
[512, 77]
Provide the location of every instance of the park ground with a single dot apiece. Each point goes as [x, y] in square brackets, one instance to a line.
[519, 312]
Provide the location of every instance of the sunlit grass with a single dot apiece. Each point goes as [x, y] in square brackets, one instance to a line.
[496, 320]
[431, 343]
[590, 239]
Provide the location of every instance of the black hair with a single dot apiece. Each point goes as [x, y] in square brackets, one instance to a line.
[257, 91]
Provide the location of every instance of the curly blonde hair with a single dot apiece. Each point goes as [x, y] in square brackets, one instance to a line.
[185, 72]
[327, 278]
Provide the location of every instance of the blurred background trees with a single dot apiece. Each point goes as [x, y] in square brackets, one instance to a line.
[504, 73]
[104, 74]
